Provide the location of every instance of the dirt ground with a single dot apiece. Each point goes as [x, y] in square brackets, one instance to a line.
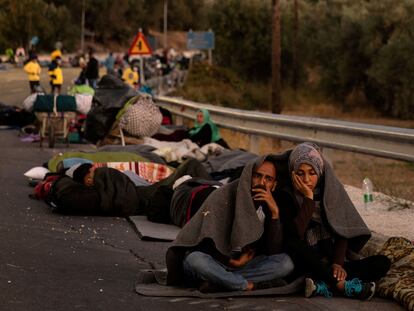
[391, 177]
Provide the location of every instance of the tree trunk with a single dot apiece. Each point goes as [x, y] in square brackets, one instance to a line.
[295, 45]
[276, 106]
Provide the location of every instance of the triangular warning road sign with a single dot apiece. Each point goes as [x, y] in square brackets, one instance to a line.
[140, 46]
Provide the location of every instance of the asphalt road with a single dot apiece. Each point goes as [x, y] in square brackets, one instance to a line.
[54, 262]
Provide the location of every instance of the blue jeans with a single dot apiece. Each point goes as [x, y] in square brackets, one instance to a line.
[200, 266]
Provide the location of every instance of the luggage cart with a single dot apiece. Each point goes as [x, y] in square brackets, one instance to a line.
[53, 125]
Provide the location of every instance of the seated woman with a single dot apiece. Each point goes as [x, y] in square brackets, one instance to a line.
[205, 131]
[322, 227]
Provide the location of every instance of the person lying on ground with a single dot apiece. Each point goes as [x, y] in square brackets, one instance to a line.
[234, 241]
[188, 197]
[109, 192]
[322, 226]
[205, 131]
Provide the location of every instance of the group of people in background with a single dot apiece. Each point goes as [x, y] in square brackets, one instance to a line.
[89, 71]
[119, 65]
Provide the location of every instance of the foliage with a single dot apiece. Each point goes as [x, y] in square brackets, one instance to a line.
[222, 87]
[242, 30]
[106, 21]
[355, 52]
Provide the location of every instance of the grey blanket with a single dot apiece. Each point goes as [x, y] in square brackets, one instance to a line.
[341, 212]
[228, 159]
[142, 150]
[152, 283]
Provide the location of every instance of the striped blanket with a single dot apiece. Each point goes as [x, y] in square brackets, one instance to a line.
[152, 172]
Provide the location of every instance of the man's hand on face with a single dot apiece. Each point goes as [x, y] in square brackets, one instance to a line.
[260, 194]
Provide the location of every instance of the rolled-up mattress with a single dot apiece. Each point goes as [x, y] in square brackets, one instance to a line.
[45, 103]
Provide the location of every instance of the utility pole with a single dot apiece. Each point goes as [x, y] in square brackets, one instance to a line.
[83, 27]
[165, 22]
[295, 45]
[276, 106]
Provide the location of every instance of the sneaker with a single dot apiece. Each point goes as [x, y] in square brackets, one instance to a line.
[356, 289]
[316, 288]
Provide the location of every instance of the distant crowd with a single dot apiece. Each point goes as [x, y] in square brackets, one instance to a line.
[129, 69]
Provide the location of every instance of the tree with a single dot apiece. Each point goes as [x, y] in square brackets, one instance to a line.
[276, 51]
[242, 31]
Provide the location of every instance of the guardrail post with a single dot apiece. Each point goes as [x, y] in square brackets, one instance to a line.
[178, 120]
[254, 143]
[327, 152]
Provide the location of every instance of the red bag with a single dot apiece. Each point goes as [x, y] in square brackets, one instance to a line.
[42, 189]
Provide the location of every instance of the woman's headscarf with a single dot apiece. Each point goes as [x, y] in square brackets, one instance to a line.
[215, 135]
[306, 153]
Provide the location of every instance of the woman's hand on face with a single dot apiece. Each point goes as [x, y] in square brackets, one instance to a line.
[338, 272]
[301, 186]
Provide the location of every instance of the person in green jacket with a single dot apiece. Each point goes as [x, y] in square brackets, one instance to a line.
[205, 131]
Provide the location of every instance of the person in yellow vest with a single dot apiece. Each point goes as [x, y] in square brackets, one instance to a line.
[131, 76]
[56, 76]
[55, 54]
[33, 71]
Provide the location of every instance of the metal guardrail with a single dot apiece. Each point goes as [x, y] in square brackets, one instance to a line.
[384, 141]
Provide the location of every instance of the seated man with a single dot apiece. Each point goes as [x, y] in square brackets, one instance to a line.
[234, 241]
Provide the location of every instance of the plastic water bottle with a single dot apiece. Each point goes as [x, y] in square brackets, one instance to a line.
[367, 189]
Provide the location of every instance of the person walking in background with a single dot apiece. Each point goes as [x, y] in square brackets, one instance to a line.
[109, 64]
[119, 66]
[10, 56]
[56, 76]
[92, 70]
[20, 56]
[33, 71]
[57, 52]
[131, 77]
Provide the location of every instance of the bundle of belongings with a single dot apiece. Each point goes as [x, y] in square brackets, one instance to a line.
[140, 117]
[398, 284]
[120, 112]
[46, 103]
[110, 96]
[12, 116]
[50, 103]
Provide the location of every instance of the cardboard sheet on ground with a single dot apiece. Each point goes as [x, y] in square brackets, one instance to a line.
[148, 230]
[152, 283]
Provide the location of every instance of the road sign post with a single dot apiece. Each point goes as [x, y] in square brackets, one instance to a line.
[140, 47]
[201, 40]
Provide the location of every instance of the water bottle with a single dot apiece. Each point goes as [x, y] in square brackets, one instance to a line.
[367, 189]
